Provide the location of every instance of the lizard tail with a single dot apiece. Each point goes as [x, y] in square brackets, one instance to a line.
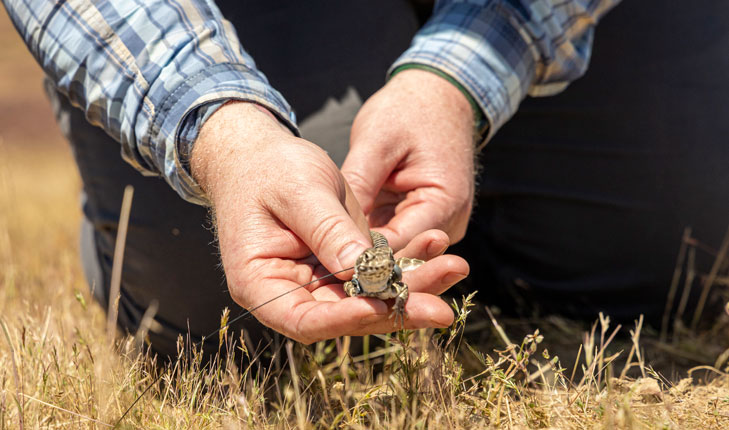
[378, 240]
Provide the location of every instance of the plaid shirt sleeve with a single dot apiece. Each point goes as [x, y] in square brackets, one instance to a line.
[502, 50]
[148, 72]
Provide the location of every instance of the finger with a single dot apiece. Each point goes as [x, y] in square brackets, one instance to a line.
[404, 226]
[312, 321]
[325, 224]
[299, 316]
[437, 275]
[423, 311]
[381, 215]
[366, 171]
[427, 311]
[329, 293]
[360, 316]
[426, 245]
[423, 307]
[384, 206]
[353, 208]
[432, 203]
[434, 277]
[281, 305]
[419, 213]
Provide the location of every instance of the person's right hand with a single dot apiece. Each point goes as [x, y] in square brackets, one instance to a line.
[282, 210]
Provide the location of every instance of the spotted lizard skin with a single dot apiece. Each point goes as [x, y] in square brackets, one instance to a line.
[377, 274]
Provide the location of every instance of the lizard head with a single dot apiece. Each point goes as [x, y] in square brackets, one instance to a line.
[374, 267]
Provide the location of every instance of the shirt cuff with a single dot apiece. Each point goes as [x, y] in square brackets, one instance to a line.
[180, 117]
[483, 50]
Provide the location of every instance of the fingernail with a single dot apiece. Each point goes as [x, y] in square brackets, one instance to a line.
[434, 248]
[371, 319]
[349, 253]
[452, 278]
[439, 324]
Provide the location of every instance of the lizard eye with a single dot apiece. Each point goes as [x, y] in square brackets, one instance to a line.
[364, 257]
[397, 273]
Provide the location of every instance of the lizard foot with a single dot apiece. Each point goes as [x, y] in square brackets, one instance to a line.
[398, 313]
[351, 288]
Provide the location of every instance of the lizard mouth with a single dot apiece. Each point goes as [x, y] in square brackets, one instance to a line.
[375, 272]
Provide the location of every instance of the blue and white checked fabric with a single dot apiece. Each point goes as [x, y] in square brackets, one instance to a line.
[150, 72]
[502, 50]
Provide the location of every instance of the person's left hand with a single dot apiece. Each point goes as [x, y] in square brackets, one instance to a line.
[411, 158]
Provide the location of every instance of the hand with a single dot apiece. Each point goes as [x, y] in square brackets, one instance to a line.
[410, 162]
[283, 210]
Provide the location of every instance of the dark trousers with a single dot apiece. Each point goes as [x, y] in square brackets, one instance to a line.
[584, 196]
[581, 202]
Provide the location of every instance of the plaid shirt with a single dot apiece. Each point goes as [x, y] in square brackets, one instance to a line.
[150, 73]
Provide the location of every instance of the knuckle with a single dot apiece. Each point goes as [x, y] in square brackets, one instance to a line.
[293, 326]
[322, 234]
[237, 292]
[239, 280]
[364, 189]
[357, 180]
[238, 296]
[458, 234]
[329, 176]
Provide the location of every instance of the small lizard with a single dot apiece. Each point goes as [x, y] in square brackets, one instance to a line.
[377, 274]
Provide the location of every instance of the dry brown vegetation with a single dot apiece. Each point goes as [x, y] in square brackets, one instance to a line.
[60, 369]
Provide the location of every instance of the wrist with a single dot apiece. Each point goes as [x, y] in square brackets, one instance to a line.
[480, 122]
[423, 96]
[228, 142]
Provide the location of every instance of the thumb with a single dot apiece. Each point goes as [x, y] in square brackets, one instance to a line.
[366, 172]
[334, 228]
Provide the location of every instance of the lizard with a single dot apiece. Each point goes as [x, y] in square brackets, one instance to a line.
[378, 274]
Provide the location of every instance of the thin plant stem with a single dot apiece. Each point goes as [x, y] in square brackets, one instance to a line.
[116, 268]
[710, 280]
[678, 269]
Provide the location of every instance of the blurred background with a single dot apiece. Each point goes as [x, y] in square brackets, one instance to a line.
[25, 115]
[39, 193]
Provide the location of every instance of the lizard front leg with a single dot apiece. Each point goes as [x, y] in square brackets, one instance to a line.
[400, 291]
[352, 288]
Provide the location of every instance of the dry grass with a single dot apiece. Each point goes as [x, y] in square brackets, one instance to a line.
[59, 369]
